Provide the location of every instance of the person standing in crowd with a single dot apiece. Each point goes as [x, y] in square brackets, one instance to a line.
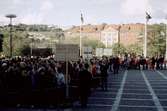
[104, 75]
[110, 65]
[161, 61]
[61, 85]
[116, 65]
[98, 71]
[142, 63]
[60, 78]
[93, 68]
[85, 78]
[153, 61]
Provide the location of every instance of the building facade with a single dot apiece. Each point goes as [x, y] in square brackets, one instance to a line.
[109, 36]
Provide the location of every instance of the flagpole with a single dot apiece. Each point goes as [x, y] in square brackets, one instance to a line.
[145, 39]
[80, 39]
[166, 43]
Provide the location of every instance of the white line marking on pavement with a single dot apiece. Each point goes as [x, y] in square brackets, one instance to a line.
[100, 105]
[159, 83]
[114, 82]
[155, 98]
[127, 89]
[107, 105]
[160, 73]
[135, 81]
[134, 106]
[141, 93]
[119, 94]
[157, 80]
[134, 88]
[128, 99]
[127, 106]
[102, 98]
[114, 85]
[143, 81]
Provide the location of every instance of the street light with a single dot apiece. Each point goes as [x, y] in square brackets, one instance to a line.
[119, 30]
[148, 17]
[31, 36]
[11, 16]
[166, 39]
[80, 38]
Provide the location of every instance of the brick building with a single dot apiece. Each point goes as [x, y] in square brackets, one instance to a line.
[129, 33]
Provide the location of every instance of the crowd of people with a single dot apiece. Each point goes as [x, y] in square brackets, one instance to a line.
[26, 74]
[148, 63]
[29, 76]
[19, 73]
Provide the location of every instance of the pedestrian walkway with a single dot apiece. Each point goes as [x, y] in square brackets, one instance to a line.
[132, 90]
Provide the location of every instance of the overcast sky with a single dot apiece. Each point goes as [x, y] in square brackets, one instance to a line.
[67, 12]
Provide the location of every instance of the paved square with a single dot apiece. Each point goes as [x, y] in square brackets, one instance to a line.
[131, 90]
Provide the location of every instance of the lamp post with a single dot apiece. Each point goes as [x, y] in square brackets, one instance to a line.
[166, 39]
[11, 16]
[32, 41]
[119, 30]
[148, 17]
[145, 39]
[80, 38]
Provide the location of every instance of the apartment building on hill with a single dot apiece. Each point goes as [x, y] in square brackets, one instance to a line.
[108, 34]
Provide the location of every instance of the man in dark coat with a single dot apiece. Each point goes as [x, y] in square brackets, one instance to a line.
[116, 65]
[104, 75]
[85, 78]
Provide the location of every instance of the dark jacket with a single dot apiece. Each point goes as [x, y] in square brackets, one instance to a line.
[85, 78]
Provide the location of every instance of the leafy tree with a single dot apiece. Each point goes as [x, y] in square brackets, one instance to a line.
[1, 42]
[19, 40]
[25, 50]
[86, 41]
[59, 34]
[118, 49]
[134, 49]
[93, 43]
[156, 39]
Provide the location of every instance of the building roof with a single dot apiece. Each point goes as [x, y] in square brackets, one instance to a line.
[110, 29]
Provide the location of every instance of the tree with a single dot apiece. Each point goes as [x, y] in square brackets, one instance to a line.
[118, 49]
[59, 34]
[19, 41]
[134, 49]
[1, 42]
[93, 43]
[21, 38]
[156, 39]
[25, 50]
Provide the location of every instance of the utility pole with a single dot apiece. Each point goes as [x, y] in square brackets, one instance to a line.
[80, 40]
[166, 40]
[148, 17]
[145, 39]
[119, 31]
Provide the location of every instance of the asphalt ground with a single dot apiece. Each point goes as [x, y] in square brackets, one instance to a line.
[130, 90]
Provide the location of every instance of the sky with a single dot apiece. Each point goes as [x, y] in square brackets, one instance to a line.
[68, 12]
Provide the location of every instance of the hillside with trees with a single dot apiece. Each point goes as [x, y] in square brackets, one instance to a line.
[26, 36]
